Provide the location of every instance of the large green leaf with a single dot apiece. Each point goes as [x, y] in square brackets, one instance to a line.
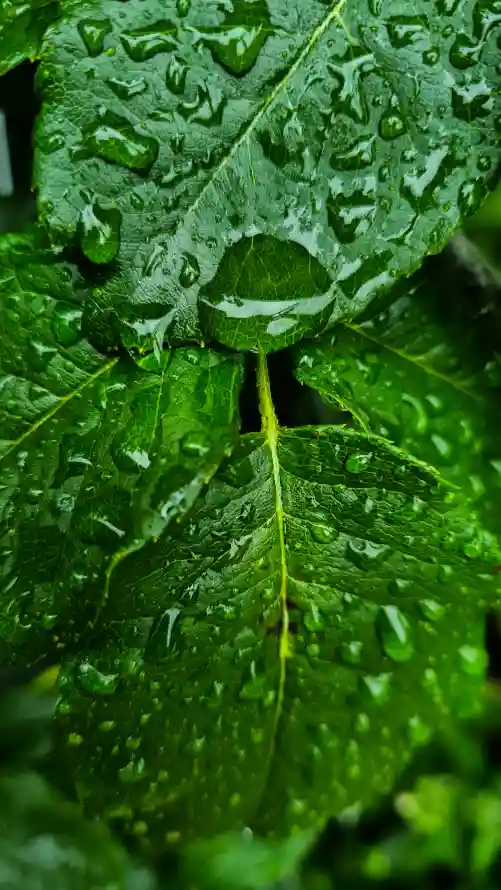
[273, 658]
[424, 373]
[97, 454]
[183, 139]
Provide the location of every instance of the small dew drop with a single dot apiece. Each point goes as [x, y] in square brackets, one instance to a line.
[190, 271]
[92, 681]
[473, 660]
[195, 444]
[323, 534]
[431, 610]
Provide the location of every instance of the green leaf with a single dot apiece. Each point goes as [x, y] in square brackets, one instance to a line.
[178, 137]
[22, 26]
[315, 616]
[45, 844]
[97, 454]
[424, 373]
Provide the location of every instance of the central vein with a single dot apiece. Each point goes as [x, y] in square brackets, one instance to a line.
[271, 430]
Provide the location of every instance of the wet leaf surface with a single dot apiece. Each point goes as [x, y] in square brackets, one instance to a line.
[97, 454]
[22, 26]
[177, 136]
[275, 657]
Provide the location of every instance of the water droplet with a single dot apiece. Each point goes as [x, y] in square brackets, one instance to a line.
[391, 126]
[183, 7]
[431, 56]
[431, 609]
[74, 739]
[175, 76]
[313, 620]
[470, 197]
[358, 462]
[419, 732]
[50, 142]
[472, 101]
[93, 33]
[407, 30]
[126, 89]
[360, 155]
[238, 40]
[365, 554]
[206, 108]
[464, 52]
[473, 660]
[255, 686]
[324, 534]
[107, 725]
[400, 587]
[133, 772]
[99, 230]
[144, 43]
[375, 7]
[113, 138]
[96, 683]
[190, 271]
[239, 308]
[66, 324]
[351, 653]
[362, 723]
[375, 688]
[395, 633]
[195, 444]
[350, 217]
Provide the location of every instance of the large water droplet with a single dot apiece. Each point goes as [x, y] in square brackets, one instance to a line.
[358, 156]
[91, 680]
[99, 229]
[265, 290]
[113, 138]
[144, 43]
[238, 40]
[470, 197]
[358, 462]
[66, 324]
[93, 33]
[127, 89]
[183, 7]
[395, 633]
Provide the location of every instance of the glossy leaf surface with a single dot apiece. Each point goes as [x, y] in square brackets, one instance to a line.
[98, 454]
[178, 136]
[274, 658]
[425, 374]
[22, 26]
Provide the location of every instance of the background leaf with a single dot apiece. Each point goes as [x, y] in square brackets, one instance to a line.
[425, 373]
[177, 135]
[98, 454]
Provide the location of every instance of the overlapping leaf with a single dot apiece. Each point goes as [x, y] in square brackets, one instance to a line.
[22, 26]
[424, 373]
[183, 140]
[274, 658]
[97, 454]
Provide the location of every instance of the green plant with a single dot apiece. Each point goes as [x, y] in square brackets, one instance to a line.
[254, 630]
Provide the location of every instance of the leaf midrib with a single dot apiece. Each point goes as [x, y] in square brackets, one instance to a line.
[251, 126]
[57, 407]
